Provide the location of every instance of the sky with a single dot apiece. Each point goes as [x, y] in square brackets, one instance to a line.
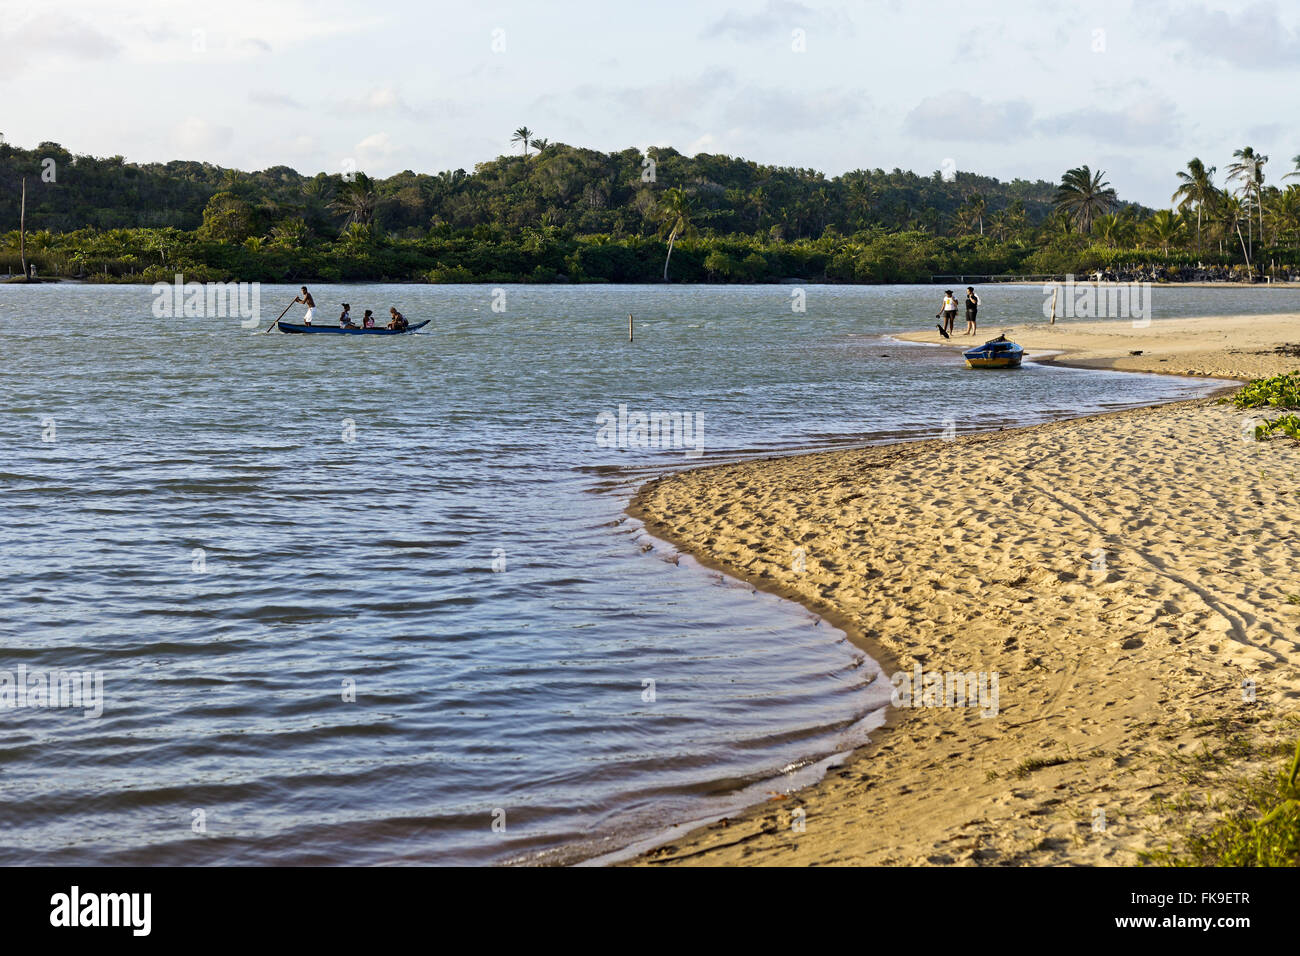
[1010, 88]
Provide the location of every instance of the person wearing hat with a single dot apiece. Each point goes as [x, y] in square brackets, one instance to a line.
[948, 312]
[345, 320]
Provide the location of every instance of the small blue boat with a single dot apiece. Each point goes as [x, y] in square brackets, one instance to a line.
[336, 330]
[995, 353]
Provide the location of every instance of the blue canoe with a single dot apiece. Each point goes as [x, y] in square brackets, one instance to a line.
[336, 330]
[996, 353]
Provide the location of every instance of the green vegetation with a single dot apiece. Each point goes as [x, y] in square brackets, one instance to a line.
[1280, 391]
[558, 213]
[1260, 828]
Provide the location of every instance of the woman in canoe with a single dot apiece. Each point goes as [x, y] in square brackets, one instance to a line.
[368, 320]
[345, 320]
[398, 321]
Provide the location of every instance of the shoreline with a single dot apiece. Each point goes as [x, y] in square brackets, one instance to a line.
[671, 508]
[819, 281]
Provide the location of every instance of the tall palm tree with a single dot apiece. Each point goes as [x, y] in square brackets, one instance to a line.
[541, 144]
[523, 135]
[357, 200]
[1231, 211]
[1084, 195]
[977, 206]
[1196, 189]
[1249, 169]
[675, 219]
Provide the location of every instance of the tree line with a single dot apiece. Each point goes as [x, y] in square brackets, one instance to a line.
[561, 213]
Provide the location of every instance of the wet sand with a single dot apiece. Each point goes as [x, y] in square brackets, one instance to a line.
[1129, 577]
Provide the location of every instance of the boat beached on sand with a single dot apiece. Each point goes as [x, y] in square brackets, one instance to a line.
[337, 330]
[995, 353]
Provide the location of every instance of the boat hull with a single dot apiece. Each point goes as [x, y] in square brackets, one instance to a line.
[996, 354]
[1009, 361]
[294, 329]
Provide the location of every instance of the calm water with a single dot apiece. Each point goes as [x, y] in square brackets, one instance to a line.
[237, 528]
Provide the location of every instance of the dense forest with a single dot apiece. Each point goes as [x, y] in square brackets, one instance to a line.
[553, 212]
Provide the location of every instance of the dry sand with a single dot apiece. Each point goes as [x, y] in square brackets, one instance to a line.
[1239, 346]
[1123, 574]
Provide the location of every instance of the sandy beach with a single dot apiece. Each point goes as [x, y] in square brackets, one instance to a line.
[1128, 577]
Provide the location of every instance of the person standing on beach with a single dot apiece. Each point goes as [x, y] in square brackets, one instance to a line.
[972, 308]
[308, 301]
[948, 312]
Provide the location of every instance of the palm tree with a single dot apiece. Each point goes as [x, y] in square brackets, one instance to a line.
[1083, 195]
[1196, 189]
[1249, 168]
[675, 219]
[1284, 216]
[998, 227]
[977, 206]
[1295, 161]
[523, 135]
[1110, 229]
[356, 236]
[541, 144]
[1163, 228]
[357, 200]
[1231, 211]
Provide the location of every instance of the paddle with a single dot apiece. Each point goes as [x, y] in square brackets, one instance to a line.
[281, 316]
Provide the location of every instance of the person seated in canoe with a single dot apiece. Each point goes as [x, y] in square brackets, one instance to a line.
[308, 301]
[368, 320]
[398, 321]
[345, 320]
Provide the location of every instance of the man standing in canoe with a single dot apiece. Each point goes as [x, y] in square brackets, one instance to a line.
[308, 301]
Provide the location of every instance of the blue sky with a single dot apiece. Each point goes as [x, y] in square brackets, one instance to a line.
[1012, 88]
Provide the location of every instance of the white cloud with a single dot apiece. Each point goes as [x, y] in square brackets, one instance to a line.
[198, 138]
[42, 38]
[383, 99]
[1255, 38]
[375, 148]
[775, 21]
[961, 116]
[1145, 123]
[274, 100]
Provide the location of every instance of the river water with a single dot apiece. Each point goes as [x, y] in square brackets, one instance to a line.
[371, 600]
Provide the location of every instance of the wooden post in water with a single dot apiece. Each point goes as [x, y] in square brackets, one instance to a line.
[22, 231]
[1055, 290]
[629, 326]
